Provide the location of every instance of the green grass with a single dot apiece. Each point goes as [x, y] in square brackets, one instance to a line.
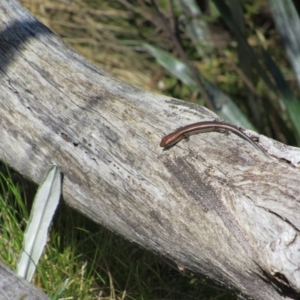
[13, 219]
[85, 261]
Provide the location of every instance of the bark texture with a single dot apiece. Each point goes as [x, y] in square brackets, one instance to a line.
[15, 287]
[215, 205]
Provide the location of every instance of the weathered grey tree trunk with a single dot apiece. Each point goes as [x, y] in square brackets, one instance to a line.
[15, 287]
[214, 205]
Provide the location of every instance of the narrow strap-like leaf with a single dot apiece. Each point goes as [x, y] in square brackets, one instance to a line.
[35, 237]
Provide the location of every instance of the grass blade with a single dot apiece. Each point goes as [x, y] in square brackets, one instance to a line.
[243, 43]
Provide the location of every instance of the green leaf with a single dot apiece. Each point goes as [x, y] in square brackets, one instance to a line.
[175, 66]
[196, 28]
[35, 237]
[225, 107]
[288, 25]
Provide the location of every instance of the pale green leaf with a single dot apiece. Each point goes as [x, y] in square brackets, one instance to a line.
[35, 237]
[225, 107]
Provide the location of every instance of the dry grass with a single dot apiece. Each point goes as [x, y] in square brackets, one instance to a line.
[97, 32]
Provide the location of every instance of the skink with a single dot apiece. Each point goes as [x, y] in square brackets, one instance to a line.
[184, 132]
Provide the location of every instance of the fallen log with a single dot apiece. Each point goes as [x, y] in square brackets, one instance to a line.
[15, 287]
[214, 205]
